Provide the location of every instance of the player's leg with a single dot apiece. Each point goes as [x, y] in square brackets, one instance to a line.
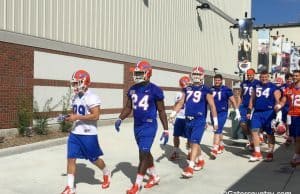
[256, 125]
[295, 132]
[179, 126]
[196, 128]
[73, 148]
[144, 137]
[93, 152]
[222, 116]
[244, 124]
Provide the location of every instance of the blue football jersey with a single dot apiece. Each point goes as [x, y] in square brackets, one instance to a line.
[247, 88]
[221, 96]
[195, 100]
[264, 99]
[144, 99]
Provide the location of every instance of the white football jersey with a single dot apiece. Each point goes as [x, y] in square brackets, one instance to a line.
[181, 113]
[82, 106]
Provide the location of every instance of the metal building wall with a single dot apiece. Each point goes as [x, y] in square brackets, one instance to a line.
[167, 31]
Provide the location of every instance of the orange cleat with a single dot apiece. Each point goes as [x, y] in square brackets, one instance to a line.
[106, 181]
[188, 172]
[269, 157]
[199, 165]
[68, 190]
[256, 156]
[134, 189]
[213, 154]
[152, 181]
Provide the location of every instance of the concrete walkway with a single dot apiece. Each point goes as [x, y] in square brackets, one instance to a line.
[43, 170]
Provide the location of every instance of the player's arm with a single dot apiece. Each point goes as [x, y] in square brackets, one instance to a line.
[251, 103]
[162, 113]
[211, 102]
[126, 110]
[178, 105]
[93, 116]
[277, 96]
[213, 110]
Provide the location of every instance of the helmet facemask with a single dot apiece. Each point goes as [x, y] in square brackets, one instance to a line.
[139, 76]
[197, 77]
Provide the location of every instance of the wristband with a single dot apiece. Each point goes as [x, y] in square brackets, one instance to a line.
[215, 119]
[278, 106]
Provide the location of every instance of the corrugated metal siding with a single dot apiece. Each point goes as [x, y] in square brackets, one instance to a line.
[165, 30]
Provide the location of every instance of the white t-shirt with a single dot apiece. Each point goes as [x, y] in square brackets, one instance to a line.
[181, 113]
[82, 106]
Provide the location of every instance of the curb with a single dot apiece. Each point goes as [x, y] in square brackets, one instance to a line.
[33, 146]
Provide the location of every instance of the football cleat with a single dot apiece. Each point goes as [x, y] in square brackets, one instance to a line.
[106, 181]
[256, 156]
[213, 154]
[221, 149]
[269, 157]
[68, 190]
[153, 180]
[134, 189]
[174, 156]
[199, 165]
[188, 172]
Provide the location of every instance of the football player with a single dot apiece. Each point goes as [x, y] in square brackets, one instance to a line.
[179, 124]
[144, 99]
[83, 139]
[221, 96]
[196, 97]
[285, 109]
[265, 97]
[246, 91]
[292, 96]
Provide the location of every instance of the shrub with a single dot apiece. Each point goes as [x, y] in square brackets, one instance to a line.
[42, 118]
[24, 114]
[65, 126]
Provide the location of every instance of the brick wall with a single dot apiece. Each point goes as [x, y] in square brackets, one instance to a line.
[16, 76]
[16, 79]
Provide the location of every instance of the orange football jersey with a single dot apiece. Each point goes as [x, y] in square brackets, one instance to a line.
[293, 97]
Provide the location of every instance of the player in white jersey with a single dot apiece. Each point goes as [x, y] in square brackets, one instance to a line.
[179, 124]
[83, 139]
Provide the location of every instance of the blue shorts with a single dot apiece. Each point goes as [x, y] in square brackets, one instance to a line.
[179, 128]
[262, 120]
[84, 147]
[195, 129]
[222, 117]
[295, 126]
[243, 112]
[144, 136]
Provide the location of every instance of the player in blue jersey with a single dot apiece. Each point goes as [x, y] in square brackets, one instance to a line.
[222, 94]
[246, 91]
[266, 96]
[83, 140]
[196, 97]
[179, 124]
[144, 99]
